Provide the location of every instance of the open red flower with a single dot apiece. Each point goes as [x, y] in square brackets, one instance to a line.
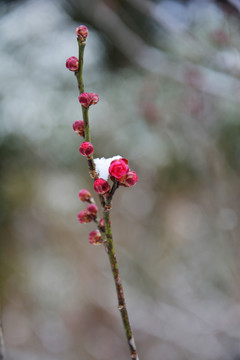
[118, 168]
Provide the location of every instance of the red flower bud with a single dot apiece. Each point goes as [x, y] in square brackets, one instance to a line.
[129, 179]
[92, 210]
[101, 186]
[78, 127]
[86, 148]
[102, 224]
[94, 98]
[86, 99]
[118, 168]
[84, 217]
[95, 237]
[82, 32]
[84, 195]
[72, 63]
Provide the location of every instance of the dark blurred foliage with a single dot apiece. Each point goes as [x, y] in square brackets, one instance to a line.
[167, 73]
[116, 19]
[229, 142]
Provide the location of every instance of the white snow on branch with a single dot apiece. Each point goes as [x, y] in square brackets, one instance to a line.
[102, 166]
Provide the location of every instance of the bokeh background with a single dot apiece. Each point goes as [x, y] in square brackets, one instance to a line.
[168, 77]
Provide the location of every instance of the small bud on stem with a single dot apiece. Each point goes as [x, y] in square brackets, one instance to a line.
[78, 127]
[129, 179]
[72, 63]
[95, 237]
[86, 149]
[84, 195]
[101, 186]
[87, 99]
[81, 32]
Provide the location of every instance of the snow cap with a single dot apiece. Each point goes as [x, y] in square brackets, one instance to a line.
[102, 165]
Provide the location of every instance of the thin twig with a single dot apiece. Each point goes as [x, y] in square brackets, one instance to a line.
[119, 288]
[91, 165]
[111, 193]
[2, 348]
[106, 207]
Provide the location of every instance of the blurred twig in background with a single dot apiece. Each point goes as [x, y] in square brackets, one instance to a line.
[2, 349]
[107, 19]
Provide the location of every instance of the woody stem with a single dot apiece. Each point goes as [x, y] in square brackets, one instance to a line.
[79, 76]
[119, 288]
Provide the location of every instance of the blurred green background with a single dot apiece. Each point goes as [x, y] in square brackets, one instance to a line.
[168, 77]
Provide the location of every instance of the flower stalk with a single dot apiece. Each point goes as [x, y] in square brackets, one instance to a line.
[118, 171]
[122, 307]
[81, 47]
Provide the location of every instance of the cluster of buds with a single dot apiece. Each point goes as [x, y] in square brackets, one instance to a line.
[86, 216]
[118, 170]
[90, 214]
